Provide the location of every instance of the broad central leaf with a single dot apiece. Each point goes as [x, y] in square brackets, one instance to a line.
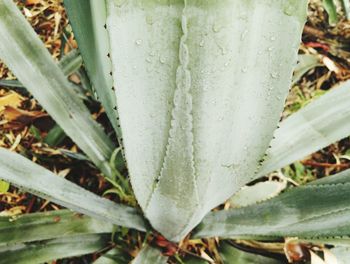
[200, 86]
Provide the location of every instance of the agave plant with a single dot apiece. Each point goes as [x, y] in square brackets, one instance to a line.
[194, 91]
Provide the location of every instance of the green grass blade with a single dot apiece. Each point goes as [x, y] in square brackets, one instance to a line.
[317, 125]
[45, 251]
[331, 8]
[346, 6]
[71, 62]
[88, 19]
[150, 255]
[24, 53]
[183, 97]
[310, 211]
[55, 136]
[33, 178]
[48, 225]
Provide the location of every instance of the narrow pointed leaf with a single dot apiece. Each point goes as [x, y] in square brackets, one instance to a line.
[42, 226]
[193, 120]
[311, 211]
[24, 53]
[331, 9]
[150, 255]
[44, 251]
[88, 19]
[317, 125]
[71, 62]
[35, 179]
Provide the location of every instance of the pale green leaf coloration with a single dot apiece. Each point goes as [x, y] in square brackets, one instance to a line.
[33, 178]
[331, 9]
[342, 254]
[201, 85]
[70, 63]
[258, 192]
[317, 125]
[150, 255]
[310, 211]
[113, 256]
[230, 254]
[24, 53]
[306, 62]
[48, 225]
[346, 7]
[45, 251]
[88, 18]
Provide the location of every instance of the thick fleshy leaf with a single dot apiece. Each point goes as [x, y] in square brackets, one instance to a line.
[311, 211]
[88, 19]
[48, 225]
[194, 121]
[150, 255]
[33, 178]
[342, 254]
[258, 192]
[231, 254]
[24, 53]
[317, 125]
[44, 251]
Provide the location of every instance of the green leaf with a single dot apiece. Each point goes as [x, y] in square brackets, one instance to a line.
[24, 53]
[43, 183]
[230, 254]
[256, 193]
[69, 64]
[306, 62]
[193, 260]
[331, 9]
[189, 112]
[48, 225]
[311, 211]
[44, 251]
[342, 254]
[113, 256]
[88, 19]
[150, 255]
[346, 7]
[4, 187]
[317, 125]
[55, 136]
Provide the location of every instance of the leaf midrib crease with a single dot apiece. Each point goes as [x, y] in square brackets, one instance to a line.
[181, 127]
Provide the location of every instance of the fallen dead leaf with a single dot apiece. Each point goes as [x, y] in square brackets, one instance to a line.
[12, 99]
[18, 118]
[31, 2]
